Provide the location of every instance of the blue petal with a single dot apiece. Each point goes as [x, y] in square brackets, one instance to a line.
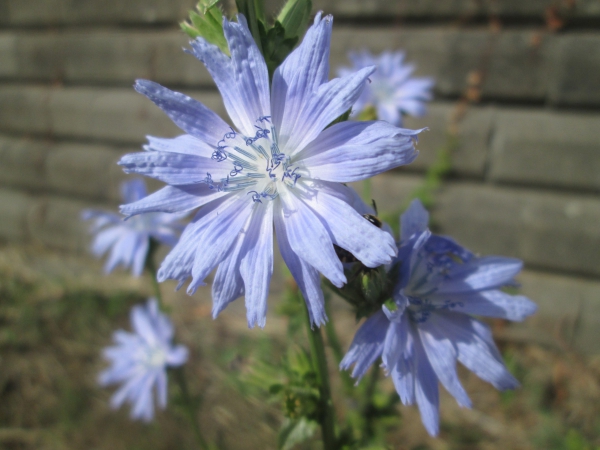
[243, 79]
[133, 190]
[122, 251]
[308, 238]
[163, 328]
[326, 104]
[395, 341]
[426, 390]
[143, 407]
[477, 351]
[442, 354]
[256, 265]
[403, 370]
[367, 345]
[249, 70]
[228, 284]
[142, 324]
[348, 229]
[484, 273]
[174, 168]
[493, 303]
[352, 151]
[306, 276]
[139, 257]
[100, 218]
[301, 74]
[128, 390]
[414, 220]
[173, 199]
[177, 356]
[407, 258]
[185, 143]
[188, 114]
[106, 238]
[389, 113]
[213, 244]
[179, 262]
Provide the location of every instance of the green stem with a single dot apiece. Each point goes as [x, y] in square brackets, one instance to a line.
[368, 407]
[327, 416]
[336, 347]
[151, 268]
[190, 409]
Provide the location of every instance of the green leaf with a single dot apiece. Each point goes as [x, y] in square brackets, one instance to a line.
[295, 431]
[207, 23]
[294, 17]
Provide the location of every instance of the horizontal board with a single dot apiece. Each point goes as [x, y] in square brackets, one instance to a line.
[69, 12]
[113, 115]
[508, 9]
[521, 146]
[546, 148]
[512, 65]
[547, 230]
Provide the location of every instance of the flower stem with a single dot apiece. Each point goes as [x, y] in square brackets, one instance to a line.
[368, 408]
[327, 414]
[151, 268]
[190, 408]
[336, 347]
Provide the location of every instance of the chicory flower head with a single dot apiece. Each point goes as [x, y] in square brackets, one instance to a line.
[392, 91]
[279, 165]
[429, 325]
[139, 361]
[129, 240]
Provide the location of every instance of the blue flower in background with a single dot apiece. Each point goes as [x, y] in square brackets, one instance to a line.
[280, 166]
[429, 327]
[392, 91]
[139, 361]
[129, 240]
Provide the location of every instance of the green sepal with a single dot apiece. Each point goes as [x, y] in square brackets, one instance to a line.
[367, 289]
[341, 118]
[275, 45]
[294, 17]
[207, 23]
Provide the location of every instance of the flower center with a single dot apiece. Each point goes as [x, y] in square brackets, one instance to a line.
[155, 357]
[257, 164]
[382, 90]
[420, 309]
[438, 261]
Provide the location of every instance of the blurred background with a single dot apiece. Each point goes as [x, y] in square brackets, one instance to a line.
[516, 108]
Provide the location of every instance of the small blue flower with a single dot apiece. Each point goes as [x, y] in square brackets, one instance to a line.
[392, 91]
[129, 240]
[430, 327]
[279, 167]
[139, 361]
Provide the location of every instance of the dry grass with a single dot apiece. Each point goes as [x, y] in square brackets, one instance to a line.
[53, 325]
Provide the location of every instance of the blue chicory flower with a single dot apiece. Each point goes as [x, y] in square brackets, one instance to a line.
[280, 165]
[139, 361]
[392, 91]
[430, 326]
[129, 240]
